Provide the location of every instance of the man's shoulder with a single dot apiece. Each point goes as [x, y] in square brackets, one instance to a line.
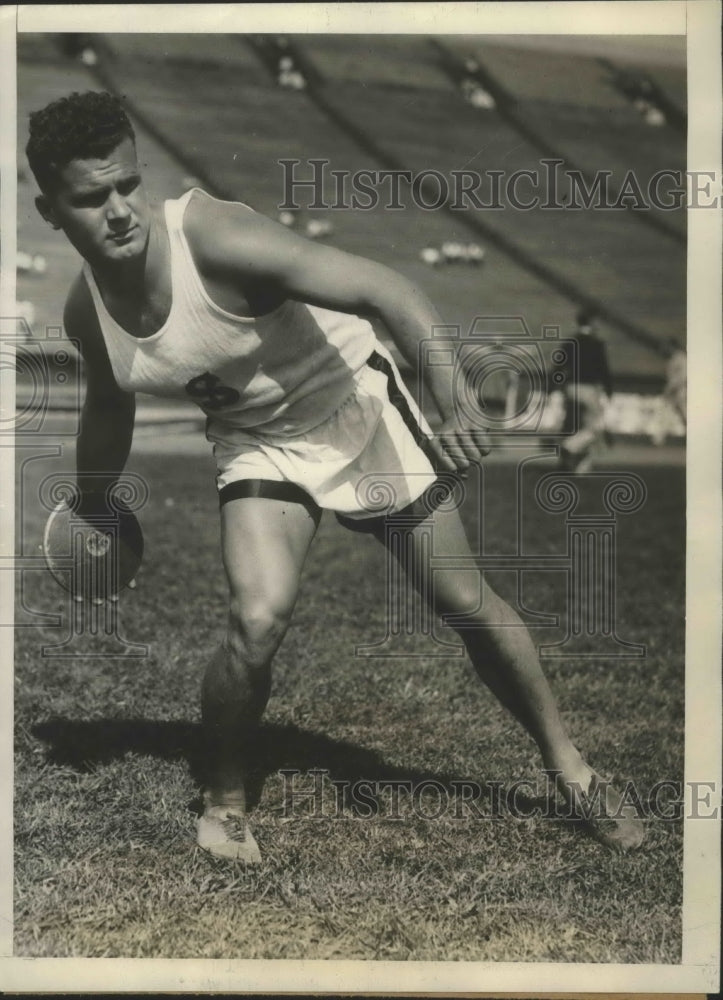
[207, 218]
[223, 231]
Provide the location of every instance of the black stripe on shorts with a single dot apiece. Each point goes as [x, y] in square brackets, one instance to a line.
[399, 401]
[436, 494]
[268, 489]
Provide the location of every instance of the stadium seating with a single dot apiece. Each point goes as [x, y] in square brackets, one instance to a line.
[211, 103]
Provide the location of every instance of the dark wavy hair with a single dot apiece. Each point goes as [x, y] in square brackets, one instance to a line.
[80, 126]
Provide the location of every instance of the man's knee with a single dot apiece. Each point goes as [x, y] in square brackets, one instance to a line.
[468, 600]
[256, 628]
[457, 592]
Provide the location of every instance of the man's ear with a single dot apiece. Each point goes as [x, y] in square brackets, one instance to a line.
[42, 203]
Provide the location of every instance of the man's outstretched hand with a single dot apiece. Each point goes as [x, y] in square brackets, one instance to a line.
[457, 445]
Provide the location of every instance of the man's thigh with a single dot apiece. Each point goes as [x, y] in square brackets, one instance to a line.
[264, 544]
[439, 562]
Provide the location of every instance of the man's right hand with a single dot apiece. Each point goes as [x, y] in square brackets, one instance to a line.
[457, 445]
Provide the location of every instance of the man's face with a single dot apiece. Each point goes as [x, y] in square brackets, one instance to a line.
[101, 206]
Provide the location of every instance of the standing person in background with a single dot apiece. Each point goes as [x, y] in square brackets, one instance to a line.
[670, 411]
[588, 388]
[676, 373]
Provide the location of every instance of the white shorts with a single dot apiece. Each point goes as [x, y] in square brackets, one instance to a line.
[368, 460]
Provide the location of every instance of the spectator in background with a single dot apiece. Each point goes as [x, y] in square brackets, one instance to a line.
[289, 76]
[475, 254]
[676, 373]
[472, 89]
[452, 251]
[671, 411]
[430, 256]
[587, 391]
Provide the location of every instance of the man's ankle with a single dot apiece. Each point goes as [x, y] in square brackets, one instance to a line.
[232, 798]
[566, 767]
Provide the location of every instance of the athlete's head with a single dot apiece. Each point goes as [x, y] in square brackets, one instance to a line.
[82, 152]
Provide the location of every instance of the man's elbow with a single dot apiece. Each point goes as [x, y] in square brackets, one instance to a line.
[384, 291]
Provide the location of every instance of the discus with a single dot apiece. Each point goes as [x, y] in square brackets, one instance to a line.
[94, 555]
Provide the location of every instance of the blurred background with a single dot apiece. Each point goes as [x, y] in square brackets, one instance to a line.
[220, 111]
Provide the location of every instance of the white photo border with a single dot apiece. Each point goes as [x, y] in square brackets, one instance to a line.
[698, 972]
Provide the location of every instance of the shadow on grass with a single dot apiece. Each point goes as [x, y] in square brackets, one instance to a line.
[84, 745]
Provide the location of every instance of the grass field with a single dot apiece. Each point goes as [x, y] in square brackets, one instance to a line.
[107, 762]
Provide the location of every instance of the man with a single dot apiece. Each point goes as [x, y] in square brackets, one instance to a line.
[676, 379]
[669, 415]
[212, 301]
[587, 392]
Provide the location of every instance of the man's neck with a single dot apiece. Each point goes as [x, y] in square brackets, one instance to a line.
[140, 275]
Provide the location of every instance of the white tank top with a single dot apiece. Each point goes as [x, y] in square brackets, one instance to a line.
[283, 373]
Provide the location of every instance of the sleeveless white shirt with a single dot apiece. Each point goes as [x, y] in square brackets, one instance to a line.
[283, 373]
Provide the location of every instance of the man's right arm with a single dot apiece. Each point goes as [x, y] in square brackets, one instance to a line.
[108, 413]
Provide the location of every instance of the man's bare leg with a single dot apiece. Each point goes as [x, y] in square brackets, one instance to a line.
[264, 545]
[505, 658]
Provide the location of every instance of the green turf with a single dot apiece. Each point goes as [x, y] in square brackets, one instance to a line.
[107, 762]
